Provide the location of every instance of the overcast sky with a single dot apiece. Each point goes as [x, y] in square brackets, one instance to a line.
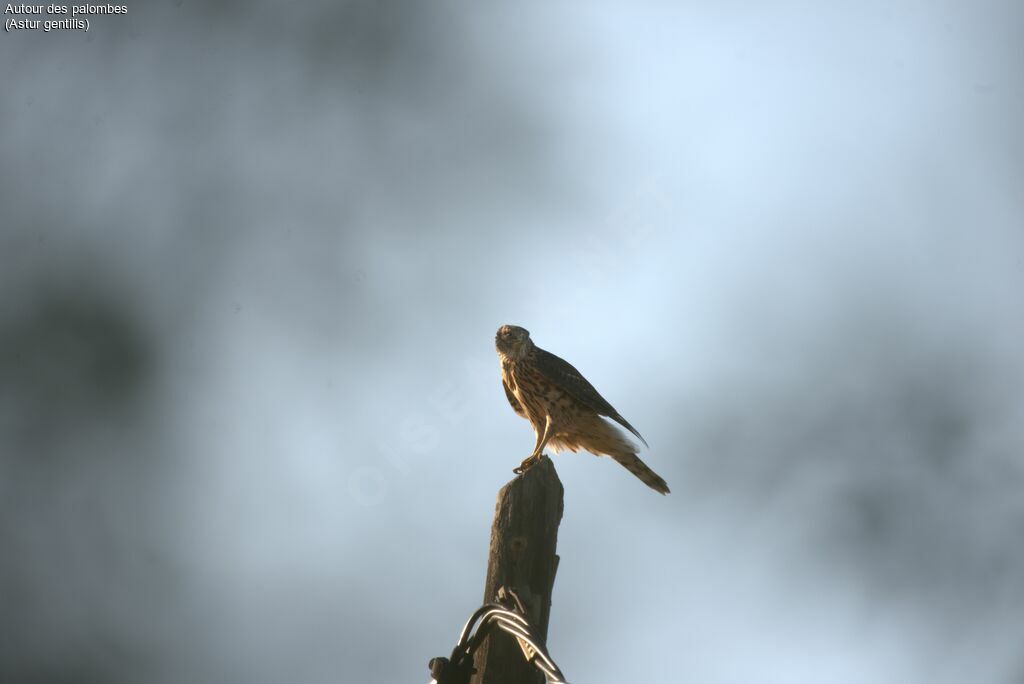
[253, 256]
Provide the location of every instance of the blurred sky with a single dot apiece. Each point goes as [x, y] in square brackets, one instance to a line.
[253, 255]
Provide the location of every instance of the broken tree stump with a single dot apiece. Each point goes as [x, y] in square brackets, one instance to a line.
[522, 558]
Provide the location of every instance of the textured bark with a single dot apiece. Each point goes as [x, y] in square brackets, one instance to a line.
[522, 557]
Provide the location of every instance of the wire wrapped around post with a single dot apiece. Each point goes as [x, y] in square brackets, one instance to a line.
[508, 617]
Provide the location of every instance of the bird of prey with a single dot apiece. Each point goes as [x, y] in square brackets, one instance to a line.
[564, 409]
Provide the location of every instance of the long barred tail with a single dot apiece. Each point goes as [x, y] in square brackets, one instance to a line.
[600, 437]
[633, 464]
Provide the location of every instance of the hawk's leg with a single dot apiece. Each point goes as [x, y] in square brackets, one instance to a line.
[538, 449]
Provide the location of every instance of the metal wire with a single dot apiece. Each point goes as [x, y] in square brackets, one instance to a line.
[509, 618]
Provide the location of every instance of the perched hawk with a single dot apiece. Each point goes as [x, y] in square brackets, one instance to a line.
[564, 409]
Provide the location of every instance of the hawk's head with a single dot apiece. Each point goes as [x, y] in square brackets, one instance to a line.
[512, 341]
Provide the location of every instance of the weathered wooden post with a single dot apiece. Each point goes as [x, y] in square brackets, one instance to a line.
[522, 558]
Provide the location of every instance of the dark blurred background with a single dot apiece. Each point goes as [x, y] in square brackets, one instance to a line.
[253, 255]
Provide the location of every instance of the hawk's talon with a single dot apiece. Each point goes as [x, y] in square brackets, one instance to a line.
[527, 463]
